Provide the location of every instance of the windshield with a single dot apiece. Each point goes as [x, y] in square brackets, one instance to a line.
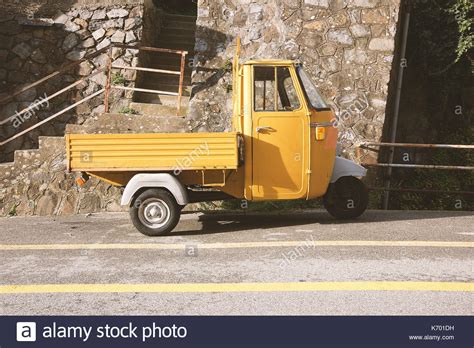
[312, 93]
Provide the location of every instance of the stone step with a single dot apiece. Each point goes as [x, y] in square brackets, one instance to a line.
[22, 156]
[124, 123]
[157, 79]
[179, 25]
[169, 17]
[168, 58]
[188, 32]
[6, 169]
[7, 165]
[73, 129]
[171, 59]
[7, 172]
[187, 71]
[159, 109]
[182, 22]
[167, 87]
[170, 65]
[177, 34]
[49, 142]
[51, 146]
[188, 41]
[157, 99]
[189, 47]
[169, 82]
[169, 100]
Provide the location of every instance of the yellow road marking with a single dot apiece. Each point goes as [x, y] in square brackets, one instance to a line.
[275, 244]
[236, 287]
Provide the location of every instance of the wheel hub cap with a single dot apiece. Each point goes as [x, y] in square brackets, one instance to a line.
[154, 213]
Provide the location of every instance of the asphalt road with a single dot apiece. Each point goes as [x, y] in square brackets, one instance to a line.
[386, 263]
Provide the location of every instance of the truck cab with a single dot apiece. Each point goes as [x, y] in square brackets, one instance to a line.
[288, 128]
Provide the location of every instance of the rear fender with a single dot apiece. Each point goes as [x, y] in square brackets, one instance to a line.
[344, 167]
[161, 180]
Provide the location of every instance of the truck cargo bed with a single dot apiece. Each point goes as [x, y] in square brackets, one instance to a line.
[152, 152]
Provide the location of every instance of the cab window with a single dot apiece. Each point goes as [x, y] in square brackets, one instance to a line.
[311, 91]
[274, 90]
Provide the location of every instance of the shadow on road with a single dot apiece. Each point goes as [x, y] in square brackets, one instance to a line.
[214, 222]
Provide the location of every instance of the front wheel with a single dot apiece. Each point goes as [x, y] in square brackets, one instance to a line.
[155, 212]
[346, 199]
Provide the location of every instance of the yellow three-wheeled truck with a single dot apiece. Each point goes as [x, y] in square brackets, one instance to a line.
[283, 147]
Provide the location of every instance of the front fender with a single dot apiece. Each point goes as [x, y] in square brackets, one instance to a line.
[344, 167]
[160, 180]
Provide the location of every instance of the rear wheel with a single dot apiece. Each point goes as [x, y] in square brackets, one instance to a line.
[155, 212]
[348, 198]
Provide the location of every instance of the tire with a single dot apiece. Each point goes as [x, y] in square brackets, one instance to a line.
[155, 212]
[347, 199]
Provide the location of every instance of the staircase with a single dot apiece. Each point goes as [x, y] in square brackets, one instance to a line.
[37, 182]
[162, 106]
[178, 32]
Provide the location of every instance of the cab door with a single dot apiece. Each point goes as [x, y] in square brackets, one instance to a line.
[279, 141]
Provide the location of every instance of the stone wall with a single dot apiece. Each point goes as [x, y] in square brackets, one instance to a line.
[38, 183]
[33, 47]
[346, 45]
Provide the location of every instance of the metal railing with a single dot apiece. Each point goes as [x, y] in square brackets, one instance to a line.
[178, 94]
[387, 189]
[421, 146]
[109, 86]
[368, 145]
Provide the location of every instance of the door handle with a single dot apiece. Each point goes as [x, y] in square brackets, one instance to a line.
[264, 129]
[323, 124]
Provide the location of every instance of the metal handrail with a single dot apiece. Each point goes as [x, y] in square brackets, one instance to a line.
[52, 117]
[145, 90]
[147, 69]
[413, 145]
[52, 96]
[149, 49]
[387, 190]
[179, 94]
[421, 146]
[409, 190]
[85, 59]
[54, 74]
[106, 89]
[417, 166]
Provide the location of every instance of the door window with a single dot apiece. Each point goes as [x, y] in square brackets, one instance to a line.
[274, 90]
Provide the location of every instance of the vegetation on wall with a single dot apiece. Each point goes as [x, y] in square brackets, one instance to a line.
[463, 11]
[118, 79]
[443, 30]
